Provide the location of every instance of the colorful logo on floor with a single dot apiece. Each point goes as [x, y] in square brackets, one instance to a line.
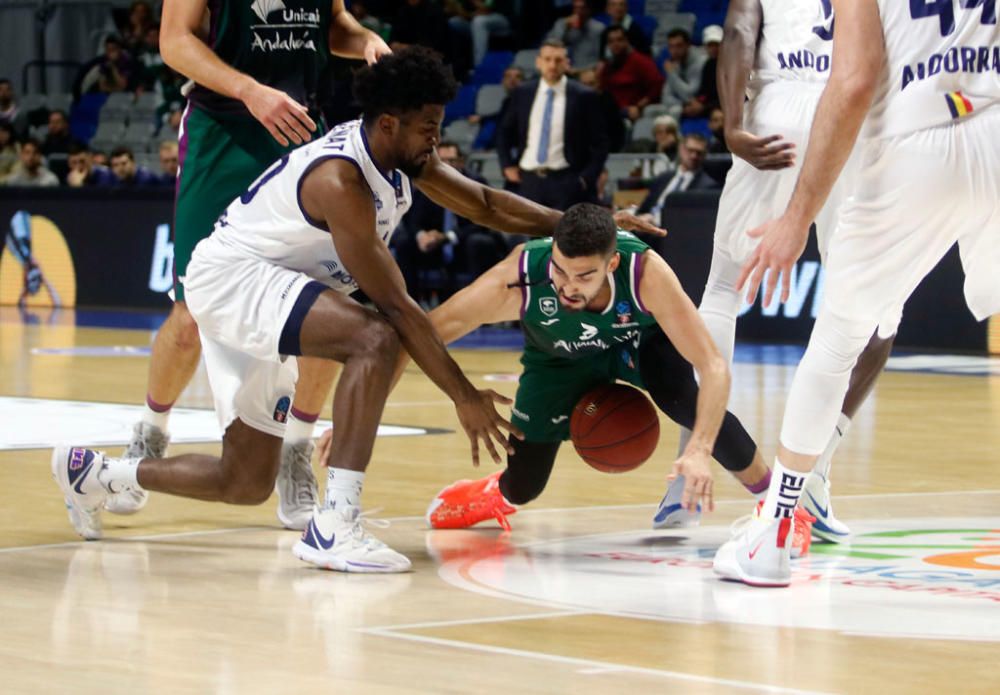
[897, 578]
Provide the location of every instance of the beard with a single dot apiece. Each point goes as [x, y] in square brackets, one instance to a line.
[414, 167]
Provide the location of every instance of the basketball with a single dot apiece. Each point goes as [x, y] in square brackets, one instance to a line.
[614, 428]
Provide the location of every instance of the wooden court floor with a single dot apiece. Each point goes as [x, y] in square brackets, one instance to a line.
[582, 597]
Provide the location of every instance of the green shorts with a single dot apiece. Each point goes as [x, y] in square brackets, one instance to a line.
[220, 156]
[550, 387]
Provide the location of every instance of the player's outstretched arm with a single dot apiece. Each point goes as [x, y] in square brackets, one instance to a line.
[285, 119]
[858, 65]
[351, 40]
[662, 294]
[495, 296]
[501, 210]
[763, 151]
[335, 192]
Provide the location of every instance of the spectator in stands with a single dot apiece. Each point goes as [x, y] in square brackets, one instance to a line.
[706, 97]
[429, 237]
[101, 160]
[613, 119]
[128, 173]
[8, 105]
[57, 143]
[581, 34]
[629, 76]
[557, 130]
[689, 175]
[110, 72]
[666, 143]
[168, 162]
[172, 123]
[85, 171]
[683, 69]
[140, 18]
[365, 18]
[478, 20]
[9, 150]
[486, 139]
[717, 126]
[617, 10]
[30, 169]
[149, 62]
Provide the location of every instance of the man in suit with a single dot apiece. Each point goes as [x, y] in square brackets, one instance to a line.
[689, 175]
[557, 130]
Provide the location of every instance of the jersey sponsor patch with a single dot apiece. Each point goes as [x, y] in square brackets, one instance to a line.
[281, 409]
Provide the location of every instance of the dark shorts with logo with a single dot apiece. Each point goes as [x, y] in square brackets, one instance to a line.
[550, 387]
[220, 156]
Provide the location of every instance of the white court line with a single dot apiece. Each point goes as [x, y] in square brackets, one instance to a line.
[550, 510]
[584, 663]
[479, 621]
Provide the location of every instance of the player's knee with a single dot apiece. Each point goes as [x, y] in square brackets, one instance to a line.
[246, 476]
[185, 329]
[520, 490]
[247, 490]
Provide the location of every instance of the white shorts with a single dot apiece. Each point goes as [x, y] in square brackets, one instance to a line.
[751, 196]
[916, 195]
[241, 306]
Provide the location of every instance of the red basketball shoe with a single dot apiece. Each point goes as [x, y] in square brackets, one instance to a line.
[802, 532]
[467, 502]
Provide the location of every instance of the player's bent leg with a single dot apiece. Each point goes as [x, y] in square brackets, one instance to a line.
[296, 484]
[335, 327]
[173, 361]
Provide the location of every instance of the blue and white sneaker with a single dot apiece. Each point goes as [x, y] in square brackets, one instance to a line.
[336, 539]
[75, 470]
[816, 499]
[670, 513]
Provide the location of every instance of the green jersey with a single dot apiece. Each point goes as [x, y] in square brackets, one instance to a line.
[283, 44]
[553, 331]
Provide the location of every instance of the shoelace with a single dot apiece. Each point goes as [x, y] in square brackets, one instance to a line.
[360, 534]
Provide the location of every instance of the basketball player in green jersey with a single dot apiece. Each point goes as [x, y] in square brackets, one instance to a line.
[596, 305]
[256, 77]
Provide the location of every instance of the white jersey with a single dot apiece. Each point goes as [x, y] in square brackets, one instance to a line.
[269, 223]
[943, 63]
[796, 42]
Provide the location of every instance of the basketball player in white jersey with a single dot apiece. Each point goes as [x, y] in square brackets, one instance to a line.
[778, 52]
[927, 74]
[273, 280]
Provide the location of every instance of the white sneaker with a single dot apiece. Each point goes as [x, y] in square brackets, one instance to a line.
[148, 441]
[759, 552]
[336, 539]
[816, 500]
[75, 470]
[296, 486]
[670, 513]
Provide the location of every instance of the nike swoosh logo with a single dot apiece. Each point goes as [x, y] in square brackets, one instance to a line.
[666, 511]
[754, 551]
[82, 475]
[322, 543]
[557, 420]
[823, 513]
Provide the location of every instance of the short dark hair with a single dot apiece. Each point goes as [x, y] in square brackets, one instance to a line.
[617, 27]
[120, 151]
[683, 33]
[33, 142]
[113, 38]
[697, 137]
[452, 143]
[586, 230]
[402, 82]
[552, 43]
[5, 80]
[77, 147]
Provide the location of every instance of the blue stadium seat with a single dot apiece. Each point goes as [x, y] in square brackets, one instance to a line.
[647, 24]
[637, 8]
[695, 125]
[463, 105]
[490, 70]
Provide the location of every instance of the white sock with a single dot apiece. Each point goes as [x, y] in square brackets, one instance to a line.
[117, 475]
[343, 487]
[298, 431]
[156, 418]
[822, 467]
[783, 493]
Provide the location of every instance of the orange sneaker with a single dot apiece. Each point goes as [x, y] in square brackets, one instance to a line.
[467, 502]
[802, 532]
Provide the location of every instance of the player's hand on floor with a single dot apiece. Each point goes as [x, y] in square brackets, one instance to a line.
[633, 223]
[285, 119]
[323, 447]
[698, 483]
[782, 243]
[482, 422]
[765, 153]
